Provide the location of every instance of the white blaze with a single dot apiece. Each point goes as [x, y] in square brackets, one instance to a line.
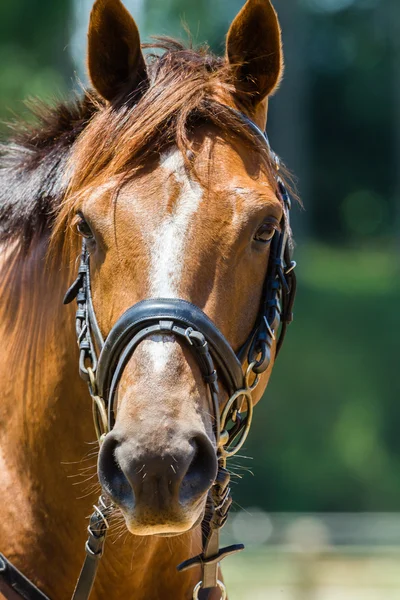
[168, 251]
[169, 240]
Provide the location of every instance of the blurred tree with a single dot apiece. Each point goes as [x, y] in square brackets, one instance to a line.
[208, 21]
[394, 28]
[289, 118]
[349, 55]
[325, 436]
[34, 36]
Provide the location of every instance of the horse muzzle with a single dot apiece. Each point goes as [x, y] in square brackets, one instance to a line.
[158, 491]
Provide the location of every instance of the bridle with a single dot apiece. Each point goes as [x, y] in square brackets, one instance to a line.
[102, 363]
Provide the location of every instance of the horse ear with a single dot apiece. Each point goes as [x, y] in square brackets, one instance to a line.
[254, 45]
[115, 58]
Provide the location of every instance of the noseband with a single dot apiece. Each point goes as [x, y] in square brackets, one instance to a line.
[102, 363]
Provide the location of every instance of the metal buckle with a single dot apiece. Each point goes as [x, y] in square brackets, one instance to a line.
[99, 512]
[188, 333]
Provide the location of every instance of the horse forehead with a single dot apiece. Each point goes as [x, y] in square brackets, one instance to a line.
[215, 176]
[172, 163]
[170, 238]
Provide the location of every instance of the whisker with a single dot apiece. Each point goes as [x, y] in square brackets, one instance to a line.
[86, 480]
[91, 493]
[242, 456]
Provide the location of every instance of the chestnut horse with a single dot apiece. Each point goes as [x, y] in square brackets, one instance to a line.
[175, 197]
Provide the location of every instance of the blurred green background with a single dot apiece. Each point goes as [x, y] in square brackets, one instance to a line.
[326, 434]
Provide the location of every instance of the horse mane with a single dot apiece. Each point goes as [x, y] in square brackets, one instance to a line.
[32, 165]
[45, 166]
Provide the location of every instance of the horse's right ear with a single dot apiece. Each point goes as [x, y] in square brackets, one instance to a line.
[254, 48]
[115, 58]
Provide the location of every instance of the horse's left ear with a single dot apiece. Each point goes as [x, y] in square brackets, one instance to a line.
[254, 44]
[115, 58]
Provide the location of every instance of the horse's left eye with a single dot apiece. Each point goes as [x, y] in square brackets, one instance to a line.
[265, 233]
[84, 229]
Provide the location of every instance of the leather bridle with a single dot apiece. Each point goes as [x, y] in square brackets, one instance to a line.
[102, 363]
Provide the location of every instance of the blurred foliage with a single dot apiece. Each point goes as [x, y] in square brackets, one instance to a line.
[34, 35]
[326, 436]
[181, 12]
[351, 61]
[326, 432]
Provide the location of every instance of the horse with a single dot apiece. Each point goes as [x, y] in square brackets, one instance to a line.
[161, 171]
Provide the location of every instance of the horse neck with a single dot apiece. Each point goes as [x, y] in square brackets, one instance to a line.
[45, 429]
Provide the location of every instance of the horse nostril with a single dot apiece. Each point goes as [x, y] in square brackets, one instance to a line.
[111, 476]
[159, 488]
[201, 472]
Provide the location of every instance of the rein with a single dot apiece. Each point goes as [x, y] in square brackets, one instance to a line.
[102, 363]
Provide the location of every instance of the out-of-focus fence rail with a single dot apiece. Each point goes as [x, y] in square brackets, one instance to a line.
[314, 556]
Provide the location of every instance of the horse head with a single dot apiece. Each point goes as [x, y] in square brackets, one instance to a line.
[177, 199]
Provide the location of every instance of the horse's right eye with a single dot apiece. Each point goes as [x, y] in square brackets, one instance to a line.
[84, 229]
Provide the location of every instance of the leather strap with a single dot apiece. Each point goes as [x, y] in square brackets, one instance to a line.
[92, 319]
[94, 547]
[196, 342]
[14, 585]
[147, 313]
[87, 577]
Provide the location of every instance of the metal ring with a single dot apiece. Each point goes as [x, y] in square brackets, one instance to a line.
[220, 584]
[224, 416]
[106, 523]
[245, 432]
[92, 380]
[99, 410]
[90, 552]
[249, 371]
[104, 505]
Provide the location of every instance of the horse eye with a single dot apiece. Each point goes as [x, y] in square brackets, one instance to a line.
[84, 229]
[265, 233]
